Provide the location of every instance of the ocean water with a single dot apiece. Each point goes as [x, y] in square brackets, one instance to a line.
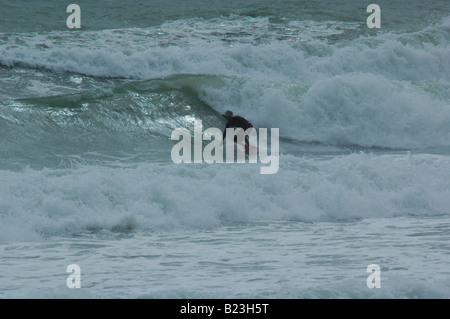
[86, 175]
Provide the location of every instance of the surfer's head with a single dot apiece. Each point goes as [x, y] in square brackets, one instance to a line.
[228, 115]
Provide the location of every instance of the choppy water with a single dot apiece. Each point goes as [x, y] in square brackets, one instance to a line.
[86, 175]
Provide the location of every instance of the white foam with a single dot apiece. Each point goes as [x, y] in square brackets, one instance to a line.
[355, 108]
[155, 197]
[256, 48]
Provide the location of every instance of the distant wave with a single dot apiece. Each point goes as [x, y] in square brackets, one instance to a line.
[256, 49]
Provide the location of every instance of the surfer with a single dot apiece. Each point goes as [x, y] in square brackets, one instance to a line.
[236, 122]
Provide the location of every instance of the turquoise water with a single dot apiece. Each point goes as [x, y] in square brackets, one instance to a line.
[87, 177]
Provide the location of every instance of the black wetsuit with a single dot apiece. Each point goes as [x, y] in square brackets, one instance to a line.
[236, 122]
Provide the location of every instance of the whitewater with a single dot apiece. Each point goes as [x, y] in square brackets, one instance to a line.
[87, 178]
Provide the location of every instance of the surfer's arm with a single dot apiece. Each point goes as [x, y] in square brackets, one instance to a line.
[225, 131]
